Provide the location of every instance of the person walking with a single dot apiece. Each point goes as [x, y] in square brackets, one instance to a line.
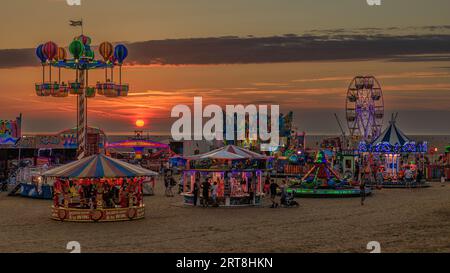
[172, 184]
[166, 184]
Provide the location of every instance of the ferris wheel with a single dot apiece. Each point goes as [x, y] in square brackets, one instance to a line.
[365, 108]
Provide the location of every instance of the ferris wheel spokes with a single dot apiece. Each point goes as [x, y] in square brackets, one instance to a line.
[364, 107]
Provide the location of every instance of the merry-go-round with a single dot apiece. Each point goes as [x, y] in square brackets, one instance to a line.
[322, 181]
[98, 189]
[392, 154]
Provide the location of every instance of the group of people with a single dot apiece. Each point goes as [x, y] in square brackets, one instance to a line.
[209, 192]
[68, 193]
[271, 188]
[214, 189]
[169, 184]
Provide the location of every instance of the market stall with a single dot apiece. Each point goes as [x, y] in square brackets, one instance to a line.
[98, 189]
[235, 171]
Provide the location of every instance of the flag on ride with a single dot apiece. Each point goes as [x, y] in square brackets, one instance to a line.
[76, 23]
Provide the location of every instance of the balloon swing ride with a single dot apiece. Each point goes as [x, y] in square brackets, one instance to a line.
[95, 188]
[82, 62]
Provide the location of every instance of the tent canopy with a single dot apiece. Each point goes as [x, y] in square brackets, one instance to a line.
[98, 166]
[229, 152]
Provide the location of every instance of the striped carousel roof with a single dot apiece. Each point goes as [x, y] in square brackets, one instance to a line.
[229, 152]
[98, 166]
[392, 135]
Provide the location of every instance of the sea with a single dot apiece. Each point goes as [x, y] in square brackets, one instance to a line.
[314, 141]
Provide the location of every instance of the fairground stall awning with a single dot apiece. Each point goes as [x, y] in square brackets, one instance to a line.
[227, 158]
[393, 140]
[229, 152]
[98, 166]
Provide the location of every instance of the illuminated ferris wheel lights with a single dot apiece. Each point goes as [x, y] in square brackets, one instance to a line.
[364, 107]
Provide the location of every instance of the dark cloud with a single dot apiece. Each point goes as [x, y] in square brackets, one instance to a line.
[329, 45]
[287, 48]
[17, 58]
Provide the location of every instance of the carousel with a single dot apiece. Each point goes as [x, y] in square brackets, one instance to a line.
[98, 189]
[392, 154]
[235, 171]
[322, 181]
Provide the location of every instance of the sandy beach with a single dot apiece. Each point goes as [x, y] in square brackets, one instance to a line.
[410, 220]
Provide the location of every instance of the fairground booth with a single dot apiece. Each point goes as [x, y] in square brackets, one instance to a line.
[393, 154]
[10, 133]
[98, 189]
[236, 171]
[35, 154]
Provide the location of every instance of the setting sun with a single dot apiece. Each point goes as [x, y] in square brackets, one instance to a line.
[140, 123]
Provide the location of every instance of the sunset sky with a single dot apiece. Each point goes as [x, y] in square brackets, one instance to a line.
[300, 54]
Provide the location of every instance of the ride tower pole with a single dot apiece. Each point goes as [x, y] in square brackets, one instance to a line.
[82, 119]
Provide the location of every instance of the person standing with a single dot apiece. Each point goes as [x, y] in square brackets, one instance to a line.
[172, 183]
[362, 191]
[419, 177]
[205, 187]
[195, 192]
[162, 170]
[214, 189]
[267, 184]
[283, 189]
[251, 193]
[273, 193]
[408, 177]
[166, 184]
[357, 171]
[443, 178]
[380, 179]
[181, 185]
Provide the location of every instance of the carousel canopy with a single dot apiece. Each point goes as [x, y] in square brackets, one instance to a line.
[98, 166]
[229, 152]
[392, 140]
[392, 135]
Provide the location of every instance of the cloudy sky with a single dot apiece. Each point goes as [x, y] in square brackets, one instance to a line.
[300, 54]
